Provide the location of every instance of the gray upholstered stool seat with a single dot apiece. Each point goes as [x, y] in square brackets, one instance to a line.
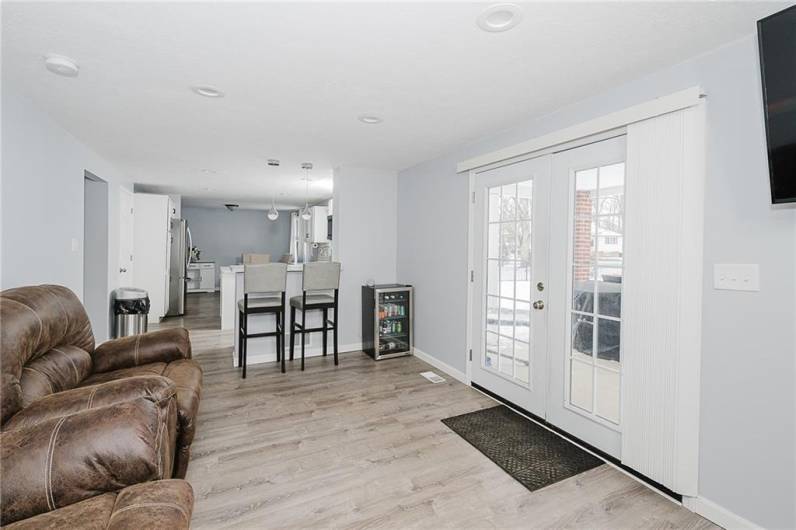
[318, 279]
[312, 299]
[261, 283]
[267, 301]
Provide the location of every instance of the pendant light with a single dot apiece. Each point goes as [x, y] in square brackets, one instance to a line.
[273, 213]
[306, 214]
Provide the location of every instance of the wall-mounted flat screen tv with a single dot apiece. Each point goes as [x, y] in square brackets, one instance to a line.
[777, 41]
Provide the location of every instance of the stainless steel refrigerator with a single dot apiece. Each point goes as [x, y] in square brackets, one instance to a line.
[179, 256]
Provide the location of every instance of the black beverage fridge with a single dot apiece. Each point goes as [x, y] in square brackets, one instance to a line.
[387, 320]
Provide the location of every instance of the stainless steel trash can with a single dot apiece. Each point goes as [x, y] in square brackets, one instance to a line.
[130, 311]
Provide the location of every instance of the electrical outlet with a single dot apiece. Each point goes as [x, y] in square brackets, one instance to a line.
[735, 277]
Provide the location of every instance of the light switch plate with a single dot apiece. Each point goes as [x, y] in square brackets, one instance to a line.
[75, 244]
[736, 277]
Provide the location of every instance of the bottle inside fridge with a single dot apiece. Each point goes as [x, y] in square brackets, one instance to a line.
[393, 322]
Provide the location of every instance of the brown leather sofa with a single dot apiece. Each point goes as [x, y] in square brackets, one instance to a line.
[91, 436]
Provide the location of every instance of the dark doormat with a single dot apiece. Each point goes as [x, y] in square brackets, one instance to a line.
[534, 456]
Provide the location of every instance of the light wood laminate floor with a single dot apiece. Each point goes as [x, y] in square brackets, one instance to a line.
[362, 446]
[202, 311]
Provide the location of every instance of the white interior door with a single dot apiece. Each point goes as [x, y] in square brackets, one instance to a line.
[510, 239]
[126, 237]
[585, 309]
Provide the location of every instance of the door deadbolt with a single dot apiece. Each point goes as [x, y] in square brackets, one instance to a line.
[539, 304]
[540, 286]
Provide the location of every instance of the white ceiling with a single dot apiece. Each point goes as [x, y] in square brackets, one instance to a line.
[297, 75]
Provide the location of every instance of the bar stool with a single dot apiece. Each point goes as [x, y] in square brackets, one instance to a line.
[265, 281]
[317, 280]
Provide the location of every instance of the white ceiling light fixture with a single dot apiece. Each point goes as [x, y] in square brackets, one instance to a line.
[499, 17]
[61, 65]
[207, 91]
[306, 214]
[273, 213]
[370, 119]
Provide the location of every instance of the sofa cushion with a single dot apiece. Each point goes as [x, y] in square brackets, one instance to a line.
[36, 320]
[65, 460]
[59, 369]
[158, 504]
[90, 514]
[187, 376]
[156, 388]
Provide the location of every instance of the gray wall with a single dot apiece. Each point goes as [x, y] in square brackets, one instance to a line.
[95, 254]
[747, 409]
[223, 235]
[365, 213]
[43, 169]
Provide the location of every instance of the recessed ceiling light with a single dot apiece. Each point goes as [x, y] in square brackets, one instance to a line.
[61, 65]
[499, 17]
[370, 119]
[207, 91]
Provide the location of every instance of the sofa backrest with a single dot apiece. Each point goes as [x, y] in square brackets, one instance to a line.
[45, 344]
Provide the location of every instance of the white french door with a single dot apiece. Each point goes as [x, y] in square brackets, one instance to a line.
[548, 247]
[510, 240]
[587, 270]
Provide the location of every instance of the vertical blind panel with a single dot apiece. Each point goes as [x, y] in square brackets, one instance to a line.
[662, 298]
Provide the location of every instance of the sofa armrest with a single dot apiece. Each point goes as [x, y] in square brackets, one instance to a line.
[160, 390]
[65, 460]
[163, 346]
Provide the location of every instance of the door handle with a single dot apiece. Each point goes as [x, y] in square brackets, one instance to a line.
[539, 304]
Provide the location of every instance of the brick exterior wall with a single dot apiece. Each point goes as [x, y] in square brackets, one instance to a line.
[582, 262]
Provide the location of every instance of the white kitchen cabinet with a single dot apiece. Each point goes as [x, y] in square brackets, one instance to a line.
[151, 248]
[320, 215]
[202, 277]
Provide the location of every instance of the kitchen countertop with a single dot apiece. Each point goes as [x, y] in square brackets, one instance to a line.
[229, 269]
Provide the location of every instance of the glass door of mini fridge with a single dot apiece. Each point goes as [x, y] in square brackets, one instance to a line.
[393, 322]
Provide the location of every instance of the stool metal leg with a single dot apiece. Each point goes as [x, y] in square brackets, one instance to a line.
[303, 335]
[282, 333]
[240, 340]
[245, 342]
[336, 327]
[292, 331]
[325, 317]
[278, 325]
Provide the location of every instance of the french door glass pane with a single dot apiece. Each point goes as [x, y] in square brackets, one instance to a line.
[597, 243]
[506, 326]
[492, 313]
[492, 277]
[508, 280]
[582, 385]
[607, 402]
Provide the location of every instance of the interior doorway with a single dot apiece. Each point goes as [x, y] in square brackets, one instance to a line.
[95, 254]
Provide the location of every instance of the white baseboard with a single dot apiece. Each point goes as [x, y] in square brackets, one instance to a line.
[310, 351]
[718, 514]
[439, 365]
